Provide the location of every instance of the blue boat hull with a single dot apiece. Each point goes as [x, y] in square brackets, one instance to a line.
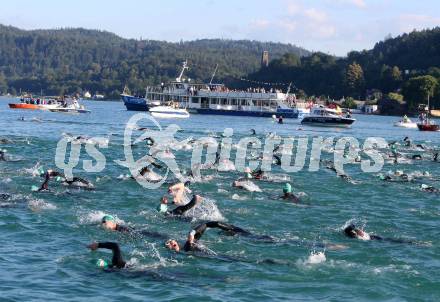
[133, 103]
[283, 113]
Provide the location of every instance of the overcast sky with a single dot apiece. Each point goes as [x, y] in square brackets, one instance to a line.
[332, 26]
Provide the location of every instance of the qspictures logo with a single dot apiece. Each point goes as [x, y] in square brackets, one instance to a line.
[292, 154]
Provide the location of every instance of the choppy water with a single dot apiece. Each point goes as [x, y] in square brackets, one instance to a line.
[43, 255]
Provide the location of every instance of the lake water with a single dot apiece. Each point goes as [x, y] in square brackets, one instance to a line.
[43, 255]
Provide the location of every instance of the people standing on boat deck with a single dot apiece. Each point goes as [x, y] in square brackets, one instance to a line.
[194, 236]
[178, 191]
[180, 210]
[117, 260]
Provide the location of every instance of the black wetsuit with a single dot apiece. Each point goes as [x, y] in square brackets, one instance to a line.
[290, 196]
[117, 260]
[257, 174]
[80, 180]
[180, 210]
[2, 156]
[138, 233]
[47, 177]
[200, 229]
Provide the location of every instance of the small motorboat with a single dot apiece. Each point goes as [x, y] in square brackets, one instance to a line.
[169, 111]
[323, 116]
[70, 106]
[406, 123]
[34, 103]
[426, 124]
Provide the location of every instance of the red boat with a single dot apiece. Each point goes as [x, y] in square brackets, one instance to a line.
[35, 104]
[428, 127]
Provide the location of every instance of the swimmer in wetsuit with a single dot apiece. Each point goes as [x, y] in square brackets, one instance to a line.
[429, 189]
[178, 190]
[47, 177]
[180, 210]
[353, 232]
[108, 222]
[79, 182]
[288, 195]
[117, 260]
[2, 155]
[197, 232]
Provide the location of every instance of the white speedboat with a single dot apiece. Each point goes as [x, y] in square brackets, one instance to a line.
[406, 123]
[71, 106]
[323, 116]
[168, 112]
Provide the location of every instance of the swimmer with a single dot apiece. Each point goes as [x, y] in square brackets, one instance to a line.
[280, 120]
[108, 222]
[352, 231]
[435, 158]
[429, 189]
[47, 177]
[79, 183]
[194, 236]
[246, 184]
[117, 260]
[258, 174]
[253, 132]
[288, 195]
[180, 210]
[416, 157]
[407, 141]
[178, 191]
[3, 154]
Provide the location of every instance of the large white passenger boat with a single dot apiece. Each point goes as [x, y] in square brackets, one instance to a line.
[209, 98]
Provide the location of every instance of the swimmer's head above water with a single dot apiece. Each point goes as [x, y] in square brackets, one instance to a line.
[109, 222]
[353, 232]
[173, 245]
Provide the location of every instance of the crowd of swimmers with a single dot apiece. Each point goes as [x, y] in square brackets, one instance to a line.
[180, 190]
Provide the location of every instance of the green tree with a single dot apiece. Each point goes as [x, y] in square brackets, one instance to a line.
[354, 78]
[349, 103]
[3, 84]
[416, 90]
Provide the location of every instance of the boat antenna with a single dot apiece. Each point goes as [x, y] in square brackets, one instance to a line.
[213, 74]
[288, 88]
[184, 66]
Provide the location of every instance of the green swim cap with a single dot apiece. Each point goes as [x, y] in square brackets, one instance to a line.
[287, 188]
[162, 208]
[34, 188]
[102, 263]
[381, 177]
[248, 175]
[58, 178]
[40, 170]
[107, 218]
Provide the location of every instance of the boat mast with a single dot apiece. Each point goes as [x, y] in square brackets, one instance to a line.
[213, 74]
[184, 66]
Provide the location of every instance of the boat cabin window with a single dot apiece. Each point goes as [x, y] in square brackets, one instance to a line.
[243, 103]
[195, 100]
[214, 101]
[224, 101]
[234, 102]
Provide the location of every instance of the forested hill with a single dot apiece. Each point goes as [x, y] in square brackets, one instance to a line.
[387, 67]
[70, 60]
